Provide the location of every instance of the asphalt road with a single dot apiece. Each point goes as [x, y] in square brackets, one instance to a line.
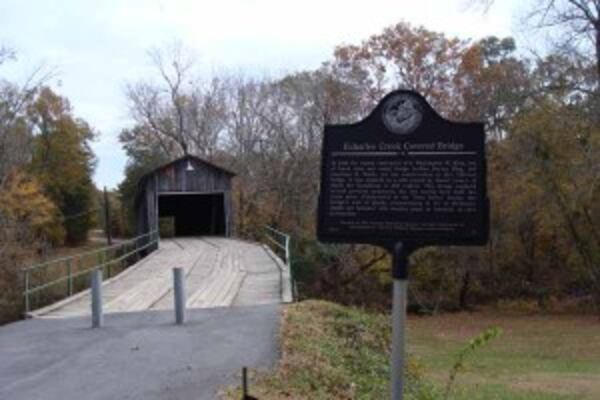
[140, 355]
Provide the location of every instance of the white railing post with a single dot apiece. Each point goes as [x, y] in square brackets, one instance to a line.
[179, 293]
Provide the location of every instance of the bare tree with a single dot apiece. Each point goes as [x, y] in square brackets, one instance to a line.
[183, 114]
[578, 22]
[6, 53]
[15, 135]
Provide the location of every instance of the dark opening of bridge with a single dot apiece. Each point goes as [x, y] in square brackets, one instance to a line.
[194, 214]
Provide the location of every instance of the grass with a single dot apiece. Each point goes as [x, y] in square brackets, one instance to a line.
[335, 352]
[537, 357]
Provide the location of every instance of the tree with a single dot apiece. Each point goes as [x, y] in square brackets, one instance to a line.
[28, 221]
[573, 24]
[403, 56]
[143, 155]
[579, 19]
[63, 161]
[561, 149]
[28, 218]
[15, 135]
[481, 81]
[493, 84]
[182, 114]
[24, 203]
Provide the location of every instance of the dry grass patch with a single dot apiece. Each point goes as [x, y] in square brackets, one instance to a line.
[332, 352]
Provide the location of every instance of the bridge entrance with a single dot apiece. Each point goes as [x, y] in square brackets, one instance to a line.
[192, 214]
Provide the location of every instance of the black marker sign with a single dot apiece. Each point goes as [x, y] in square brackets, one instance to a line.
[404, 174]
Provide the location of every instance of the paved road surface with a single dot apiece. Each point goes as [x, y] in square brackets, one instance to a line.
[138, 355]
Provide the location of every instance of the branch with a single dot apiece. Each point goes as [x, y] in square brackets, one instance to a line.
[363, 268]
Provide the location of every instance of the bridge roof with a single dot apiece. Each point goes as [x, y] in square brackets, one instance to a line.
[142, 181]
[189, 157]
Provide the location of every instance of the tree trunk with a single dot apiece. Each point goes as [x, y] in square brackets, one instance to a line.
[597, 27]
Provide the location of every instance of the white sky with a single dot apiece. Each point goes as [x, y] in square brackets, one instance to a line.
[98, 46]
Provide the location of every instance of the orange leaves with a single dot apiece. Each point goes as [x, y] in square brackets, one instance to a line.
[463, 80]
[24, 203]
[407, 57]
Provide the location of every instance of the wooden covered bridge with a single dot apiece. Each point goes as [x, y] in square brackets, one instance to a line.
[189, 195]
[184, 217]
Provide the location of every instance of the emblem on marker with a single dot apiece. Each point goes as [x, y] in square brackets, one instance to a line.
[402, 113]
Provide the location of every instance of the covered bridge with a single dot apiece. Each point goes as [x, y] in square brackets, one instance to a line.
[191, 195]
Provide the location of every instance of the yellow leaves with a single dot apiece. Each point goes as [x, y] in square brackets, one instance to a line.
[24, 203]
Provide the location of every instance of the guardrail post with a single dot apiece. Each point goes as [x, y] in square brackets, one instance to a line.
[80, 267]
[288, 260]
[27, 305]
[99, 259]
[179, 292]
[137, 250]
[102, 263]
[108, 263]
[70, 277]
[97, 316]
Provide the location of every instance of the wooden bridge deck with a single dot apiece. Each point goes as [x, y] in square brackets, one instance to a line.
[219, 272]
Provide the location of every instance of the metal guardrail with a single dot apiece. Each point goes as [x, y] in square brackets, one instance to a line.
[71, 267]
[282, 242]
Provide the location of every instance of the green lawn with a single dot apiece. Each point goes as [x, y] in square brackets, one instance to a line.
[537, 357]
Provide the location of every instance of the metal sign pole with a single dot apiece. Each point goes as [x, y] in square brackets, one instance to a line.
[400, 275]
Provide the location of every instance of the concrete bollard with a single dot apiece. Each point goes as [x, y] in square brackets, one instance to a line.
[97, 316]
[179, 293]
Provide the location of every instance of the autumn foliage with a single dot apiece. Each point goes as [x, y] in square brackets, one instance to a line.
[46, 191]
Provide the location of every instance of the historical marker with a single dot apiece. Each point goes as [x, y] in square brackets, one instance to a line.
[404, 174]
[403, 178]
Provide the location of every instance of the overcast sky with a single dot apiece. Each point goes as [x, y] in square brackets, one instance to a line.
[96, 47]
